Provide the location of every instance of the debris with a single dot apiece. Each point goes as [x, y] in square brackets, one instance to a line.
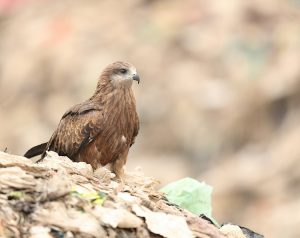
[40, 232]
[96, 198]
[15, 195]
[232, 231]
[60, 198]
[190, 194]
[117, 217]
[68, 219]
[166, 225]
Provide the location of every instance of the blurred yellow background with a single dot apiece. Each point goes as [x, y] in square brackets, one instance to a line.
[219, 98]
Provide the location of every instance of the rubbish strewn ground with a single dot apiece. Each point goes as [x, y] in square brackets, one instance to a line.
[59, 198]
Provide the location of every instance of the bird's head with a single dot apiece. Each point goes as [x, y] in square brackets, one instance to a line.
[120, 74]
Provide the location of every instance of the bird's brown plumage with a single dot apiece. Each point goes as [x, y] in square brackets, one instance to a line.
[100, 130]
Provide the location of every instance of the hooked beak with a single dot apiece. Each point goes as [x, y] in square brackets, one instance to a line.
[136, 77]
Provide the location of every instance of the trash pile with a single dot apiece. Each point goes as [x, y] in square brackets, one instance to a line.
[59, 198]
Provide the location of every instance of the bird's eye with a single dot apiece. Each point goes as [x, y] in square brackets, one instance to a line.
[123, 71]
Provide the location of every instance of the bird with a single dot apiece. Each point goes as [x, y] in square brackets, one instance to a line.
[100, 130]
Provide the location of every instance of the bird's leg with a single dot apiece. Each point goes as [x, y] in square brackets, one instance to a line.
[119, 171]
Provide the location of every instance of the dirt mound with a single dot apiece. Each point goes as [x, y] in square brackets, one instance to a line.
[59, 198]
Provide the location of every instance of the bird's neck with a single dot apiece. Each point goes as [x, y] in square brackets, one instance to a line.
[118, 107]
[113, 96]
[101, 92]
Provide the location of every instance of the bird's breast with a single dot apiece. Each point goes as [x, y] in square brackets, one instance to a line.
[119, 124]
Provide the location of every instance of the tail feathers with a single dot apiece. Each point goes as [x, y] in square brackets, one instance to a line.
[36, 150]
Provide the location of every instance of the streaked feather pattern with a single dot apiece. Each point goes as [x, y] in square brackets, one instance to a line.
[100, 130]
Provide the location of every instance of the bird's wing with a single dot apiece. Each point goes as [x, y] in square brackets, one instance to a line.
[136, 128]
[83, 108]
[78, 127]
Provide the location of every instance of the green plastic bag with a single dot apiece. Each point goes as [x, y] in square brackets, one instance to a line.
[190, 194]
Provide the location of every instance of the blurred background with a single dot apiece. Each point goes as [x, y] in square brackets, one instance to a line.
[219, 98]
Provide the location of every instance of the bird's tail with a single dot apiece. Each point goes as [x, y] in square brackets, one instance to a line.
[36, 150]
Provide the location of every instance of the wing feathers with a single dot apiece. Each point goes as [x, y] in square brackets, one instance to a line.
[101, 129]
[75, 131]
